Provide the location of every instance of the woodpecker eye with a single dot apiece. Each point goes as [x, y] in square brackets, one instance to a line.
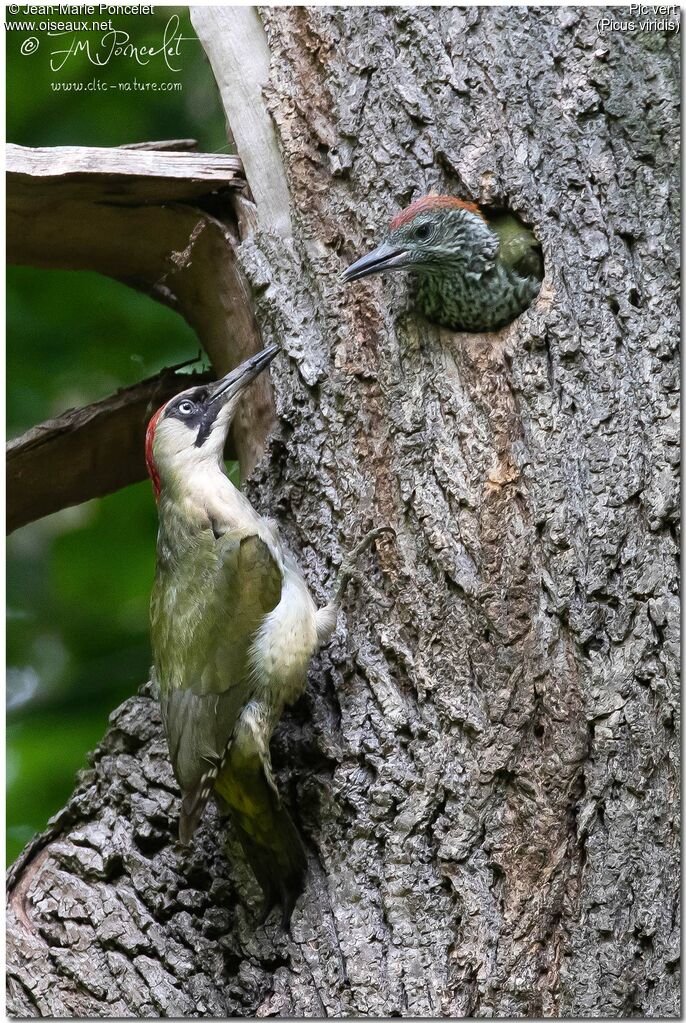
[422, 231]
[186, 407]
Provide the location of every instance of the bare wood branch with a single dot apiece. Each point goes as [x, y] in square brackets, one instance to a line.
[172, 145]
[241, 82]
[123, 174]
[134, 216]
[86, 452]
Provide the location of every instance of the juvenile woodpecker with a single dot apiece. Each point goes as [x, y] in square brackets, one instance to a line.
[475, 271]
[233, 628]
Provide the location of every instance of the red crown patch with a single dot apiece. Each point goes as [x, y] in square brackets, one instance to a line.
[432, 202]
[150, 465]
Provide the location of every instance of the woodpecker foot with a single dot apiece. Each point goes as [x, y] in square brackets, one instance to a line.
[348, 568]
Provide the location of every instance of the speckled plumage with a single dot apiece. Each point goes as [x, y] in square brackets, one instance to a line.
[474, 272]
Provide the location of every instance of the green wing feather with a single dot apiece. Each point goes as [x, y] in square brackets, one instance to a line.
[203, 625]
[204, 616]
[519, 249]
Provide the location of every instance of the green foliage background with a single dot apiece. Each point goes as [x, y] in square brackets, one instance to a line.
[78, 582]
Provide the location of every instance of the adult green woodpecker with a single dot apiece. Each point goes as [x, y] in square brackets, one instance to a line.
[476, 271]
[233, 628]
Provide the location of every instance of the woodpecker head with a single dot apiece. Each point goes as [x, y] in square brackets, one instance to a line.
[437, 234]
[191, 429]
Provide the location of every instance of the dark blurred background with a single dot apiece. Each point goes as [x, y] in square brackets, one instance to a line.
[78, 582]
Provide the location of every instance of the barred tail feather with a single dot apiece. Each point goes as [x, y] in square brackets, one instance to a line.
[192, 806]
[195, 799]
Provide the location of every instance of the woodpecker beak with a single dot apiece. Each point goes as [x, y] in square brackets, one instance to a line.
[384, 257]
[238, 379]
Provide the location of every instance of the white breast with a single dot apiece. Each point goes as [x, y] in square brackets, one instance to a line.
[286, 641]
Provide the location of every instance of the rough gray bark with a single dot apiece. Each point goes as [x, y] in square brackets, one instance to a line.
[485, 766]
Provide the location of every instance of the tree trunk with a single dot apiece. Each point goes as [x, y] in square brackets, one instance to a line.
[485, 765]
